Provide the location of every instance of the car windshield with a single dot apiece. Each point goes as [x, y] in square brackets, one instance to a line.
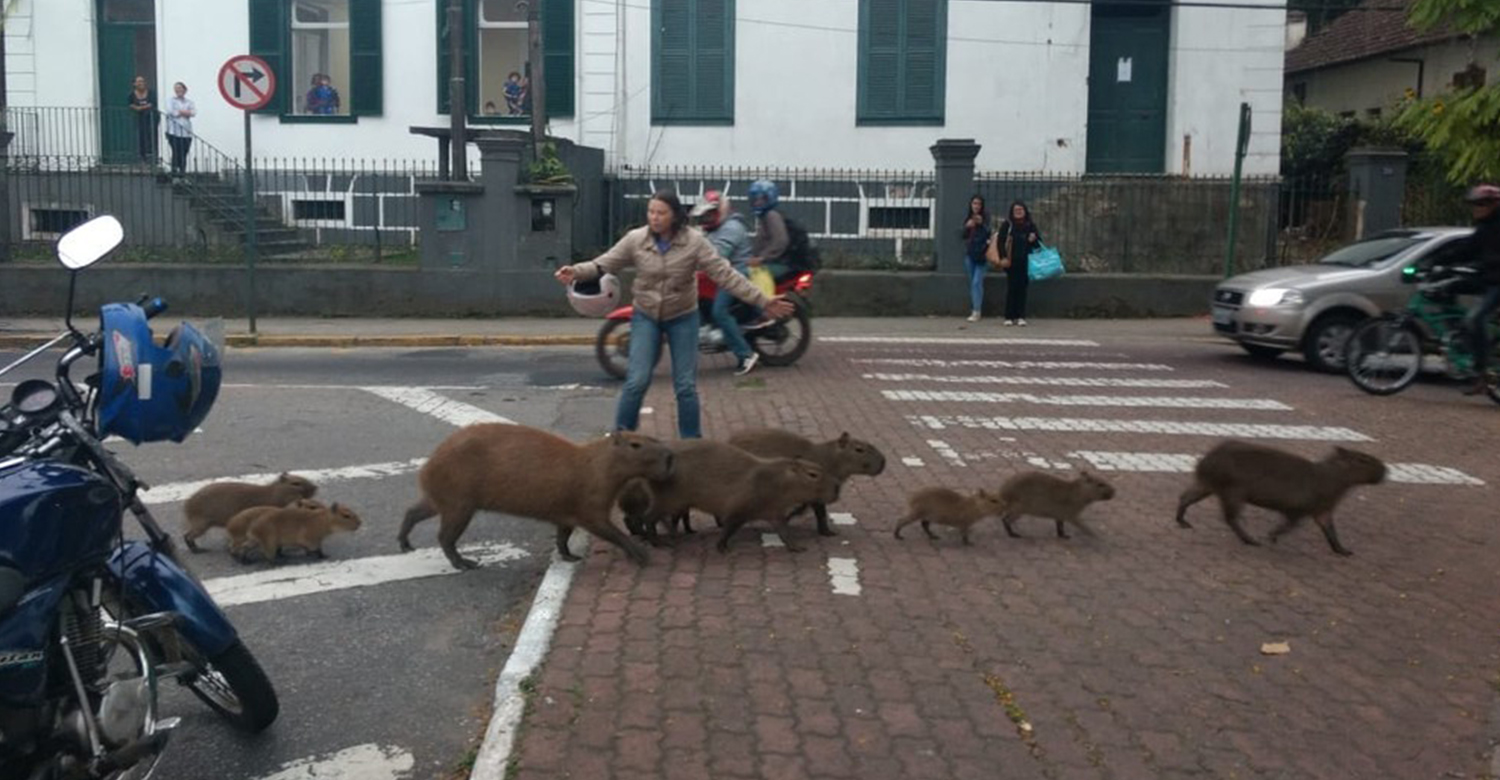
[1374, 250]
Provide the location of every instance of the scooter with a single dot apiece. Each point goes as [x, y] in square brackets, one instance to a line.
[779, 344]
[91, 623]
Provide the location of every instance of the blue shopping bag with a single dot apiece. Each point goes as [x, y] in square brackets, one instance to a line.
[1044, 263]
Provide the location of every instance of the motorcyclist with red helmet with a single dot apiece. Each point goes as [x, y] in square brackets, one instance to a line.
[730, 234]
[1484, 256]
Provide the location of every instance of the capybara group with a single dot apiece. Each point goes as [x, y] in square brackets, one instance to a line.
[297, 526]
[213, 505]
[1057, 499]
[734, 486]
[239, 525]
[842, 458]
[527, 472]
[948, 507]
[1241, 473]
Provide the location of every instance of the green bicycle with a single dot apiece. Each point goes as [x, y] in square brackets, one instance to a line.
[1385, 354]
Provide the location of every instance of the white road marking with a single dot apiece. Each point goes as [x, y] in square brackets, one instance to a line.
[1166, 427]
[1182, 463]
[361, 762]
[947, 452]
[842, 518]
[446, 409]
[913, 462]
[844, 575]
[770, 540]
[179, 491]
[289, 581]
[978, 342]
[1015, 364]
[531, 647]
[1053, 381]
[1164, 402]
[247, 386]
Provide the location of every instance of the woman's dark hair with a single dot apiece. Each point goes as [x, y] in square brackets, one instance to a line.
[984, 210]
[679, 212]
[1010, 213]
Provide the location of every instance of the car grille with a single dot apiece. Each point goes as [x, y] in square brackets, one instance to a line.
[1229, 297]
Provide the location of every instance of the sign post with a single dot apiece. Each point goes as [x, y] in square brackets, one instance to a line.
[247, 83]
[1242, 145]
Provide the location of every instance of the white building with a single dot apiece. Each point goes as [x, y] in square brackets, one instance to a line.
[868, 84]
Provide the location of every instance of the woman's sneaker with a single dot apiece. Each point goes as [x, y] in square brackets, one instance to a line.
[1009, 323]
[973, 316]
[1021, 322]
[747, 365]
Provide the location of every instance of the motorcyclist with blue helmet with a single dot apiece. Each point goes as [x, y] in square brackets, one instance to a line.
[730, 234]
[771, 236]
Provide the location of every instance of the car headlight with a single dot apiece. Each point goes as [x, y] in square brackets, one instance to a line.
[1275, 296]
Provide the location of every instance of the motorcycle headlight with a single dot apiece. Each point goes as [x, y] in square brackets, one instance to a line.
[1275, 296]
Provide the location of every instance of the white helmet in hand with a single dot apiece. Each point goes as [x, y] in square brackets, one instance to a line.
[596, 298]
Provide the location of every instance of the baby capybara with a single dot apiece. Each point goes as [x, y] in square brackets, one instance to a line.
[1241, 473]
[213, 505]
[1043, 495]
[948, 507]
[843, 458]
[297, 526]
[239, 525]
[527, 472]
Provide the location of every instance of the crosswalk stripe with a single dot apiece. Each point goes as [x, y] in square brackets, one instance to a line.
[977, 342]
[1021, 365]
[1165, 427]
[1165, 402]
[179, 491]
[448, 410]
[1051, 381]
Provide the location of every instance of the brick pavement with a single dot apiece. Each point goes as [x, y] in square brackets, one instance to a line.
[1132, 653]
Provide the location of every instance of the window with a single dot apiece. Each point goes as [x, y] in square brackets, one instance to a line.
[50, 222]
[1472, 77]
[496, 53]
[326, 55]
[692, 62]
[318, 211]
[902, 61]
[900, 218]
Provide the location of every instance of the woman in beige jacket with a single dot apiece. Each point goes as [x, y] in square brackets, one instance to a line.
[667, 254]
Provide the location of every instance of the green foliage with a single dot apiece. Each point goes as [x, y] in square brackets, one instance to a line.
[1314, 141]
[1462, 126]
[549, 168]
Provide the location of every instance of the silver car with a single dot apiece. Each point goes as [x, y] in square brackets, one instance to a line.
[1313, 308]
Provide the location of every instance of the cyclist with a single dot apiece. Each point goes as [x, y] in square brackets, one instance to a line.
[1484, 256]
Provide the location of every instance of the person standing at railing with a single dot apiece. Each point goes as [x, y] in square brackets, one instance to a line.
[180, 113]
[143, 103]
[1017, 237]
[976, 241]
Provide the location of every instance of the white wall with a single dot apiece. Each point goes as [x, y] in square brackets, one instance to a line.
[50, 54]
[1380, 83]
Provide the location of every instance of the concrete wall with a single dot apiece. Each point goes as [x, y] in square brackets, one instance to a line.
[364, 291]
[1378, 83]
[1016, 82]
[151, 214]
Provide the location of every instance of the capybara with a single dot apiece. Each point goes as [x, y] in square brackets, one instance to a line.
[239, 525]
[843, 458]
[297, 526]
[948, 507]
[736, 487]
[498, 467]
[213, 505]
[1043, 495]
[1241, 473]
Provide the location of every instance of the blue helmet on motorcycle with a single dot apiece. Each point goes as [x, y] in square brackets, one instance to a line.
[151, 393]
[763, 196]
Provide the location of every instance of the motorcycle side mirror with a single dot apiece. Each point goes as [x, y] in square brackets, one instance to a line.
[85, 245]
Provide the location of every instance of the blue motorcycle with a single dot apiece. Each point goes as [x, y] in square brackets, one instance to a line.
[91, 624]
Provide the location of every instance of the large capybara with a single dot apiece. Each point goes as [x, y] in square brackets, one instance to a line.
[297, 526]
[843, 458]
[948, 507]
[239, 525]
[1241, 473]
[498, 467]
[1057, 499]
[213, 505]
[736, 487]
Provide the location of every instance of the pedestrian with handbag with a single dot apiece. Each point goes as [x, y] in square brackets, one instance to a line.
[1017, 236]
[977, 248]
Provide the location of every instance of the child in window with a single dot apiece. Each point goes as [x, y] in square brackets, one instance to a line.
[322, 98]
[513, 93]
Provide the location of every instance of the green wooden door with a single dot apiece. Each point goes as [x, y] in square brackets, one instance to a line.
[127, 48]
[1128, 51]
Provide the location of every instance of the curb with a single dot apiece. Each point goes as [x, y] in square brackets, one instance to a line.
[246, 340]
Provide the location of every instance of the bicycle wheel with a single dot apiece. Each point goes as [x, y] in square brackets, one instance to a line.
[1384, 356]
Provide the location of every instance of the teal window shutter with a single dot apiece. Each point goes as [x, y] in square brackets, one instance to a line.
[557, 56]
[367, 80]
[269, 27]
[692, 61]
[902, 61]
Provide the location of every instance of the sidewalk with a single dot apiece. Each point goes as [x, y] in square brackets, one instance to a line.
[27, 332]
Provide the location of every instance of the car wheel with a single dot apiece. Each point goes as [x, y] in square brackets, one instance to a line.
[1324, 344]
[1260, 352]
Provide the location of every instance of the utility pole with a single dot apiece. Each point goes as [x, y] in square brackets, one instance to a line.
[538, 78]
[458, 112]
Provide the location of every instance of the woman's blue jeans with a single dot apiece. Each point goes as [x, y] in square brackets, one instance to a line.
[976, 270]
[645, 352]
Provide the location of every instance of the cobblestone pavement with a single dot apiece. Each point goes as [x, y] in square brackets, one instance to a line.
[1134, 652]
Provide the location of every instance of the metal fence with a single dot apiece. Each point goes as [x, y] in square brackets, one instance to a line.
[67, 165]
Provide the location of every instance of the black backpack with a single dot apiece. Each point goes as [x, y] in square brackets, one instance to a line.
[800, 253]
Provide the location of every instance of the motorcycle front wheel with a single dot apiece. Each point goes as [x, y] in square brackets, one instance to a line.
[233, 684]
[612, 347]
[1383, 356]
[787, 341]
